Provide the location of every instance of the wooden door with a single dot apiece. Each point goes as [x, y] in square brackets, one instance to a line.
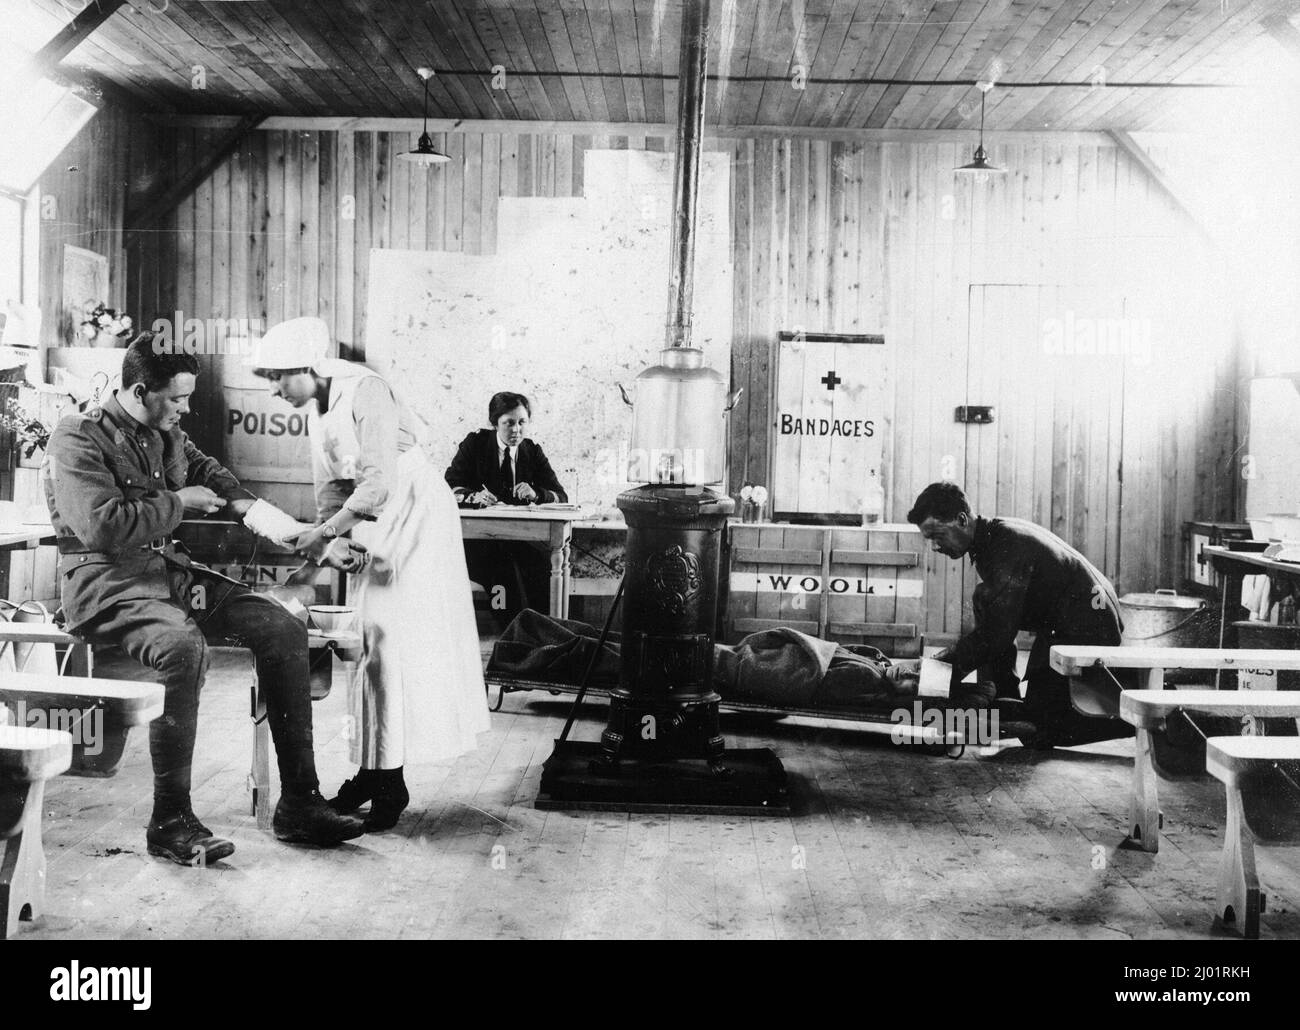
[1052, 365]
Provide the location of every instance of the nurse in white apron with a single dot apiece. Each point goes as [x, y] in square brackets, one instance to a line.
[416, 693]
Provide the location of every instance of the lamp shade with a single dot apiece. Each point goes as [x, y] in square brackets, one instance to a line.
[979, 163]
[425, 153]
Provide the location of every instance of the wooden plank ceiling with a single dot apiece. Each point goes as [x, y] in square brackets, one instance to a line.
[899, 64]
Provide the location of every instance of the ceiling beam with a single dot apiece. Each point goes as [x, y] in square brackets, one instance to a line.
[68, 38]
[152, 211]
[665, 130]
[1157, 175]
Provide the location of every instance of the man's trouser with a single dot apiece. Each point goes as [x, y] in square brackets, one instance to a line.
[1047, 692]
[172, 637]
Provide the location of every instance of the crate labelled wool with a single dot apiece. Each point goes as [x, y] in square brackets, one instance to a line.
[850, 585]
[828, 424]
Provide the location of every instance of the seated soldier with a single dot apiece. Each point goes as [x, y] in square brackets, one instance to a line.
[118, 480]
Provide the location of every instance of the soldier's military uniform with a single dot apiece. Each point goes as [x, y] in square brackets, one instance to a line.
[110, 483]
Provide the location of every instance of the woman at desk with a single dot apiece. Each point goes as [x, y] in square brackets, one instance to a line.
[500, 465]
[417, 693]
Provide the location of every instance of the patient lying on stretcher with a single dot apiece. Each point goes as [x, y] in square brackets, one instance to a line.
[781, 667]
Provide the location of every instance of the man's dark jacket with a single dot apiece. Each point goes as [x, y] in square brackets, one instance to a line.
[110, 484]
[478, 464]
[1033, 580]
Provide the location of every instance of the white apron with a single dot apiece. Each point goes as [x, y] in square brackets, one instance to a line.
[416, 694]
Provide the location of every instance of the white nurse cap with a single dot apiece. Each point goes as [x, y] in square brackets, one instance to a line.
[297, 343]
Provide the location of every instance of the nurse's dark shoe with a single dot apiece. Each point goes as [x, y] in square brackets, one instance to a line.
[307, 819]
[389, 802]
[356, 791]
[186, 841]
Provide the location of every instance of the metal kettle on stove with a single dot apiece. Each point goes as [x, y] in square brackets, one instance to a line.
[679, 428]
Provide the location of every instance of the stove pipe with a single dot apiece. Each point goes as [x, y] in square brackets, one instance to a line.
[686, 169]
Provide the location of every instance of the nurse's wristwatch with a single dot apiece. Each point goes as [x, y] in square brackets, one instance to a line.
[329, 534]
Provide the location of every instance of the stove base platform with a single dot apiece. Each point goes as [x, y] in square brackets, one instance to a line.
[756, 786]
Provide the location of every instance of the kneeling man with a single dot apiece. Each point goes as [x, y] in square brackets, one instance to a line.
[1030, 579]
[118, 481]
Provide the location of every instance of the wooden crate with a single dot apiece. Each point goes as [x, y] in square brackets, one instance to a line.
[847, 584]
[267, 447]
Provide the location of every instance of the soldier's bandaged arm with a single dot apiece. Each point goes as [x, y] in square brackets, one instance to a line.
[92, 503]
[999, 605]
[206, 471]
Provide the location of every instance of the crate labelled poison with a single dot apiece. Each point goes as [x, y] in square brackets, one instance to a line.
[828, 424]
[266, 442]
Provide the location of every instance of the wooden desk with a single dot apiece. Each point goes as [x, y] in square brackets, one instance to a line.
[547, 528]
[25, 537]
[1235, 566]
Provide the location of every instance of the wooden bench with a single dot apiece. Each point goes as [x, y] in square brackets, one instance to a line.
[21, 637]
[28, 757]
[69, 700]
[1148, 710]
[119, 716]
[321, 649]
[1244, 765]
[1075, 660]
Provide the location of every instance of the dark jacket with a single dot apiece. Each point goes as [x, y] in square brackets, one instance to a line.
[1033, 580]
[110, 484]
[477, 465]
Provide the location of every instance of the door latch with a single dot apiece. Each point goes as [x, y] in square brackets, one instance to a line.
[977, 414]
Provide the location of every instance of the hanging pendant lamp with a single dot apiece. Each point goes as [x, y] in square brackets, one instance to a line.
[980, 163]
[424, 152]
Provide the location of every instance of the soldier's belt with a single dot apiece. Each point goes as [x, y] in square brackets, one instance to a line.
[71, 545]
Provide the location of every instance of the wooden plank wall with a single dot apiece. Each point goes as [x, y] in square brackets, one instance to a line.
[82, 201]
[831, 236]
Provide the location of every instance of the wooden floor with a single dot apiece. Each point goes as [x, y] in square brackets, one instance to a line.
[884, 843]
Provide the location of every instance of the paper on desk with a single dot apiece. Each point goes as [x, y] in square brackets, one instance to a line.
[557, 506]
[275, 524]
[936, 678]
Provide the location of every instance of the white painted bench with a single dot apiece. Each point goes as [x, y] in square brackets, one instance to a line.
[78, 656]
[1147, 710]
[28, 757]
[122, 704]
[22, 636]
[1241, 762]
[1074, 661]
